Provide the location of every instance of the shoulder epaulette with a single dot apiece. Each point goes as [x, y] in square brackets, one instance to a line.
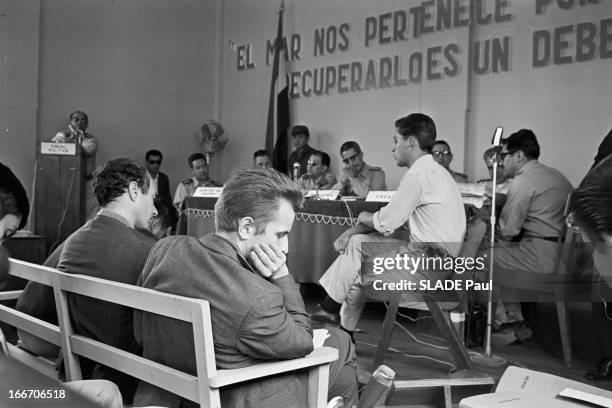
[461, 174]
[373, 168]
[187, 181]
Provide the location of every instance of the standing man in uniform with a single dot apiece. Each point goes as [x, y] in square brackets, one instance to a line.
[443, 155]
[199, 170]
[302, 151]
[357, 177]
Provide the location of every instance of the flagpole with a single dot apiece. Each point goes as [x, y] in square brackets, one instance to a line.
[278, 109]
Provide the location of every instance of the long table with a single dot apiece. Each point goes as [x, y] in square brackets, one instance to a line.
[316, 227]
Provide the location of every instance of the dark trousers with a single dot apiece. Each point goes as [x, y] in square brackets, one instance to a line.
[603, 327]
[342, 372]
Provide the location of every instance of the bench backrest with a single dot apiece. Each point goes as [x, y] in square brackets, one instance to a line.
[194, 311]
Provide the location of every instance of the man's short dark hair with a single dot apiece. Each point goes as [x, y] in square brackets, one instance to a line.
[254, 193]
[524, 140]
[300, 129]
[350, 145]
[195, 156]
[82, 113]
[154, 152]
[113, 178]
[13, 197]
[420, 126]
[443, 143]
[325, 159]
[592, 200]
[260, 153]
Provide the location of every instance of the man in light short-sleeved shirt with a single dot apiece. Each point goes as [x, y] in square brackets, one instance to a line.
[427, 200]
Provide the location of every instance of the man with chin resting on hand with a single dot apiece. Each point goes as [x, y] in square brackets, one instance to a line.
[257, 311]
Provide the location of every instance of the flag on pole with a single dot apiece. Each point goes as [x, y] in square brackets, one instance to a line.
[278, 109]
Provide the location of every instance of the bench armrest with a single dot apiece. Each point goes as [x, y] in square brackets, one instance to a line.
[320, 356]
[10, 295]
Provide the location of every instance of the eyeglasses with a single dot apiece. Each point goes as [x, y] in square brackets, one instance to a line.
[312, 163]
[350, 158]
[442, 153]
[154, 161]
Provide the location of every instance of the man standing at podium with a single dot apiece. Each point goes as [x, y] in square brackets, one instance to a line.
[76, 133]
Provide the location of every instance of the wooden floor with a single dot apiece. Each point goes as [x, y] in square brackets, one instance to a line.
[413, 360]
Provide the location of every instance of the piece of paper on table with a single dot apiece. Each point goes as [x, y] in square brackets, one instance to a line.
[319, 336]
[542, 384]
[586, 397]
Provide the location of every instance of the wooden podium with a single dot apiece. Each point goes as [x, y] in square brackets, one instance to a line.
[60, 191]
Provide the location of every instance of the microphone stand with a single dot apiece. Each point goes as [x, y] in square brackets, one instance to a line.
[488, 359]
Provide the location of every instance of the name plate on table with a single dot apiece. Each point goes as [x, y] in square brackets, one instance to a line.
[380, 196]
[65, 149]
[323, 194]
[213, 192]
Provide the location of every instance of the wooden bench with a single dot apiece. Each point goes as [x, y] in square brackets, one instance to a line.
[202, 388]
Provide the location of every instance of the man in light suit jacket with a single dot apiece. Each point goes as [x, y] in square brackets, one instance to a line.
[257, 311]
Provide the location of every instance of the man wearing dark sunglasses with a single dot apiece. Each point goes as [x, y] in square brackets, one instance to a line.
[358, 178]
[157, 178]
[443, 155]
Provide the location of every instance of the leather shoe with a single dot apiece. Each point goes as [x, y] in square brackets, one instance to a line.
[602, 371]
[319, 315]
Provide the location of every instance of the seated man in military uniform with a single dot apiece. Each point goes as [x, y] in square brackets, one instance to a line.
[199, 169]
[357, 177]
[318, 176]
[442, 154]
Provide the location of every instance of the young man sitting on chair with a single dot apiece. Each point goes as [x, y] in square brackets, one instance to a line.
[427, 199]
[257, 312]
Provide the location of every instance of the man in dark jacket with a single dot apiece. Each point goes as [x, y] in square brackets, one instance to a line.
[257, 311]
[157, 178]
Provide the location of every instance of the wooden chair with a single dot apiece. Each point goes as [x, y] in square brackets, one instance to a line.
[567, 282]
[202, 388]
[474, 235]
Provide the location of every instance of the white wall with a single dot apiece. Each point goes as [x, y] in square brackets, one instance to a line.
[143, 71]
[568, 106]
[19, 86]
[146, 72]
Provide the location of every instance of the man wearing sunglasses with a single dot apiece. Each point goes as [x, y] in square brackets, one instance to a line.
[318, 176]
[158, 179]
[358, 178]
[442, 154]
[533, 216]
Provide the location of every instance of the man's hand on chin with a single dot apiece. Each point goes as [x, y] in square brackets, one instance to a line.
[269, 261]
